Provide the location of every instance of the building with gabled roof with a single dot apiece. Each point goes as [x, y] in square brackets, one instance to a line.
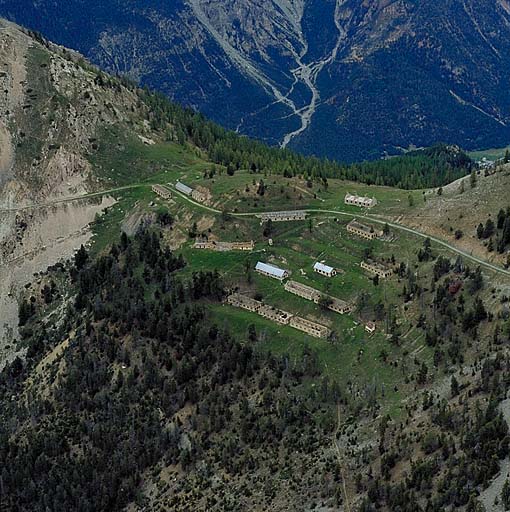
[271, 271]
[363, 202]
[184, 189]
[324, 270]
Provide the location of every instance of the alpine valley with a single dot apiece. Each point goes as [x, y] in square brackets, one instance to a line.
[346, 79]
[194, 320]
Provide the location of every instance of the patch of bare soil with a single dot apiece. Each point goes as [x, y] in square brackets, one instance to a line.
[442, 215]
[31, 243]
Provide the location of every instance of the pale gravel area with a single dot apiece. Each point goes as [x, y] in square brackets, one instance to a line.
[52, 235]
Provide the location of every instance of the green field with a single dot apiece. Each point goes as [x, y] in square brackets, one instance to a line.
[372, 364]
[238, 193]
[123, 159]
[296, 249]
[490, 154]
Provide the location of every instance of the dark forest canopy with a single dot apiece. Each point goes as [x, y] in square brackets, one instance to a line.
[431, 167]
[145, 381]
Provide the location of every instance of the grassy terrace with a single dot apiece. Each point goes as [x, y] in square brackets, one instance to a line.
[124, 159]
[239, 193]
[356, 358]
[491, 154]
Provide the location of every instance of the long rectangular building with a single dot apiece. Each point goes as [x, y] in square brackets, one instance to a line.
[363, 202]
[313, 329]
[309, 293]
[264, 310]
[271, 271]
[363, 231]
[224, 246]
[303, 291]
[339, 306]
[324, 270]
[278, 316]
[244, 302]
[376, 268]
[161, 191]
[184, 189]
[283, 216]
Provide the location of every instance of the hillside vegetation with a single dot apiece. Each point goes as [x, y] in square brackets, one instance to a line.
[137, 385]
[134, 385]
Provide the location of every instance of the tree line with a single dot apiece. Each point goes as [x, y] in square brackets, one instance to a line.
[430, 167]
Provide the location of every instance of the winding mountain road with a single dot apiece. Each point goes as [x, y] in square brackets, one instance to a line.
[318, 211]
[372, 218]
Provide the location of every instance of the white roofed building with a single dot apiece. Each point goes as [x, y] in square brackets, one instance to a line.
[324, 270]
[271, 271]
[181, 187]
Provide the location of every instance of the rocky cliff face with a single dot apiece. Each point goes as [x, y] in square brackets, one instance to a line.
[344, 78]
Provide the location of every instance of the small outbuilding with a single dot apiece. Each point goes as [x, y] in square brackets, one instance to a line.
[370, 327]
[324, 270]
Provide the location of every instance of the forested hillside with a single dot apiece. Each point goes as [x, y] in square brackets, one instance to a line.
[431, 167]
[135, 384]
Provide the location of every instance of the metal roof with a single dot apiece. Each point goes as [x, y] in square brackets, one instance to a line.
[181, 187]
[323, 268]
[270, 269]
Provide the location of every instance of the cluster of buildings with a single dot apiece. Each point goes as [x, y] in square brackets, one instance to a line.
[269, 270]
[376, 268]
[363, 202]
[309, 293]
[279, 316]
[283, 216]
[224, 246]
[190, 192]
[161, 191]
[362, 230]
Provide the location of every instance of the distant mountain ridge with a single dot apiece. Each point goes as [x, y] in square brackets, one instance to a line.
[338, 78]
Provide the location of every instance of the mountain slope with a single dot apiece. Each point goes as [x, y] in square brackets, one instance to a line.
[339, 78]
[53, 109]
[69, 131]
[131, 394]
